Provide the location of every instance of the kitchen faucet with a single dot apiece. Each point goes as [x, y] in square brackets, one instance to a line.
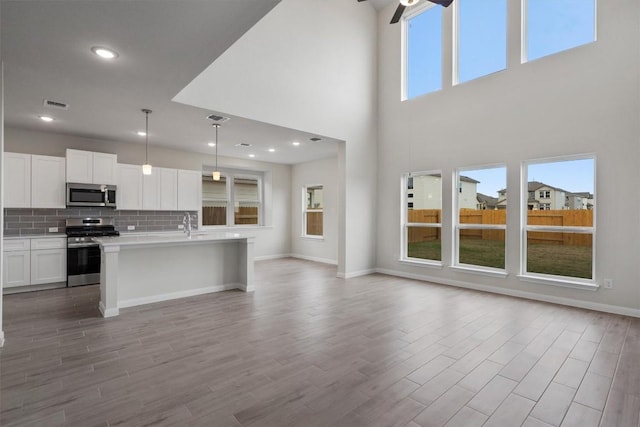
[186, 222]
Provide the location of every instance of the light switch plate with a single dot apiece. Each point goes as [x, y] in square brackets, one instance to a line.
[180, 227]
[131, 227]
[53, 229]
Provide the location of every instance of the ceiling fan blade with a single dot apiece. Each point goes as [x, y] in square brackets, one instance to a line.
[444, 3]
[398, 14]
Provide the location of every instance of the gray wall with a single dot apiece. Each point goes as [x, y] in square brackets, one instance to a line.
[585, 100]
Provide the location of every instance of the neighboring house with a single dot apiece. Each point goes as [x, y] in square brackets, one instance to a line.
[502, 199]
[467, 193]
[425, 192]
[587, 200]
[486, 202]
[546, 197]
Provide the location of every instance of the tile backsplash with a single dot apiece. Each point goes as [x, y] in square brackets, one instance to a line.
[25, 222]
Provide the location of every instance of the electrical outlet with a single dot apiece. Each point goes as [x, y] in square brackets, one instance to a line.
[180, 226]
[131, 227]
[608, 283]
[53, 229]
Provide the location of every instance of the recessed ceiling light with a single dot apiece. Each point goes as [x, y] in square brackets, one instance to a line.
[141, 133]
[295, 143]
[104, 53]
[46, 118]
[252, 155]
[272, 150]
[211, 144]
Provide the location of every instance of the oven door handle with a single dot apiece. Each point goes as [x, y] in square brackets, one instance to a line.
[82, 245]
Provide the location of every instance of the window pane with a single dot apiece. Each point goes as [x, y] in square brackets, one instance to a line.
[424, 52]
[214, 201]
[425, 192]
[557, 25]
[424, 243]
[482, 196]
[560, 254]
[315, 197]
[566, 189]
[314, 224]
[482, 247]
[482, 38]
[247, 201]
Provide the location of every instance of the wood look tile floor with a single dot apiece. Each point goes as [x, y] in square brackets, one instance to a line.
[308, 349]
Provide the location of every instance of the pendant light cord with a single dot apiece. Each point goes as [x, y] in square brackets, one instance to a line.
[146, 137]
[217, 126]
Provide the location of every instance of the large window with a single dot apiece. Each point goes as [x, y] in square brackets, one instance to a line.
[422, 217]
[558, 235]
[234, 200]
[482, 38]
[312, 207]
[552, 26]
[480, 220]
[424, 51]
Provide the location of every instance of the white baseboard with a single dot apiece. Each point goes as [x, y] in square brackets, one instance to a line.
[1, 338]
[314, 259]
[112, 312]
[268, 257]
[607, 308]
[180, 294]
[353, 274]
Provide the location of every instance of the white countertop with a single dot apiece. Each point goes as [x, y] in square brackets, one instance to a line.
[167, 238]
[36, 236]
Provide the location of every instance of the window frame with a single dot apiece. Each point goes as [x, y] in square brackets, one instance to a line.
[551, 279]
[457, 226]
[405, 224]
[230, 175]
[305, 210]
[404, 45]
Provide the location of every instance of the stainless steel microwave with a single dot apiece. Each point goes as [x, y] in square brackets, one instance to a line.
[91, 195]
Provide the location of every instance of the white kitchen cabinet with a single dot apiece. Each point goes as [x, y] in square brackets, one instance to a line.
[129, 184]
[48, 265]
[16, 263]
[104, 168]
[87, 167]
[17, 189]
[168, 189]
[189, 190]
[48, 182]
[151, 190]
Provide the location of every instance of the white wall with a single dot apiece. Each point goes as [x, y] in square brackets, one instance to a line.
[311, 65]
[1, 193]
[585, 100]
[272, 240]
[320, 172]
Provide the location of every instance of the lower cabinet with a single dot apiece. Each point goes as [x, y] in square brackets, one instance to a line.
[34, 261]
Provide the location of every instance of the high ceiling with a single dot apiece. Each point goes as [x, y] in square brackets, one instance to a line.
[162, 46]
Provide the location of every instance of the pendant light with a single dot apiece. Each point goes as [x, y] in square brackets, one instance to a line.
[146, 168]
[216, 173]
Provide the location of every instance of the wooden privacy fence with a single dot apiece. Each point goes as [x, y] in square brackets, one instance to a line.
[217, 215]
[562, 218]
[314, 224]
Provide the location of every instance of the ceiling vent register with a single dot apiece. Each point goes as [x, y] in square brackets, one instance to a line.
[55, 104]
[218, 119]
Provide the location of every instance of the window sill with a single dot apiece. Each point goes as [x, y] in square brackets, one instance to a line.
[431, 264]
[234, 227]
[482, 271]
[561, 282]
[319, 238]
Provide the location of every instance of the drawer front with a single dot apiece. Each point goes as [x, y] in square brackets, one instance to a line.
[50, 243]
[11, 245]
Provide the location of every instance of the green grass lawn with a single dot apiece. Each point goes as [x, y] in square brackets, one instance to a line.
[571, 261]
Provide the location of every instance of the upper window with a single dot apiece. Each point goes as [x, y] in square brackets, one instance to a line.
[313, 205]
[552, 26]
[424, 52]
[422, 217]
[559, 235]
[482, 38]
[481, 220]
[237, 189]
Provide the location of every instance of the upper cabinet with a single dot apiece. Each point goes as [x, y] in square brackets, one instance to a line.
[129, 184]
[189, 190]
[35, 181]
[47, 182]
[87, 167]
[17, 172]
[160, 190]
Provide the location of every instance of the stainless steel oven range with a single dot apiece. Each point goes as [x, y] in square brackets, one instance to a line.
[83, 255]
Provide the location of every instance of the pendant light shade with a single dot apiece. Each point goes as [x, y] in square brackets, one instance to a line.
[146, 168]
[216, 173]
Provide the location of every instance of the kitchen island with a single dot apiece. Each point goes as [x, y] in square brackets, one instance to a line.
[143, 269]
